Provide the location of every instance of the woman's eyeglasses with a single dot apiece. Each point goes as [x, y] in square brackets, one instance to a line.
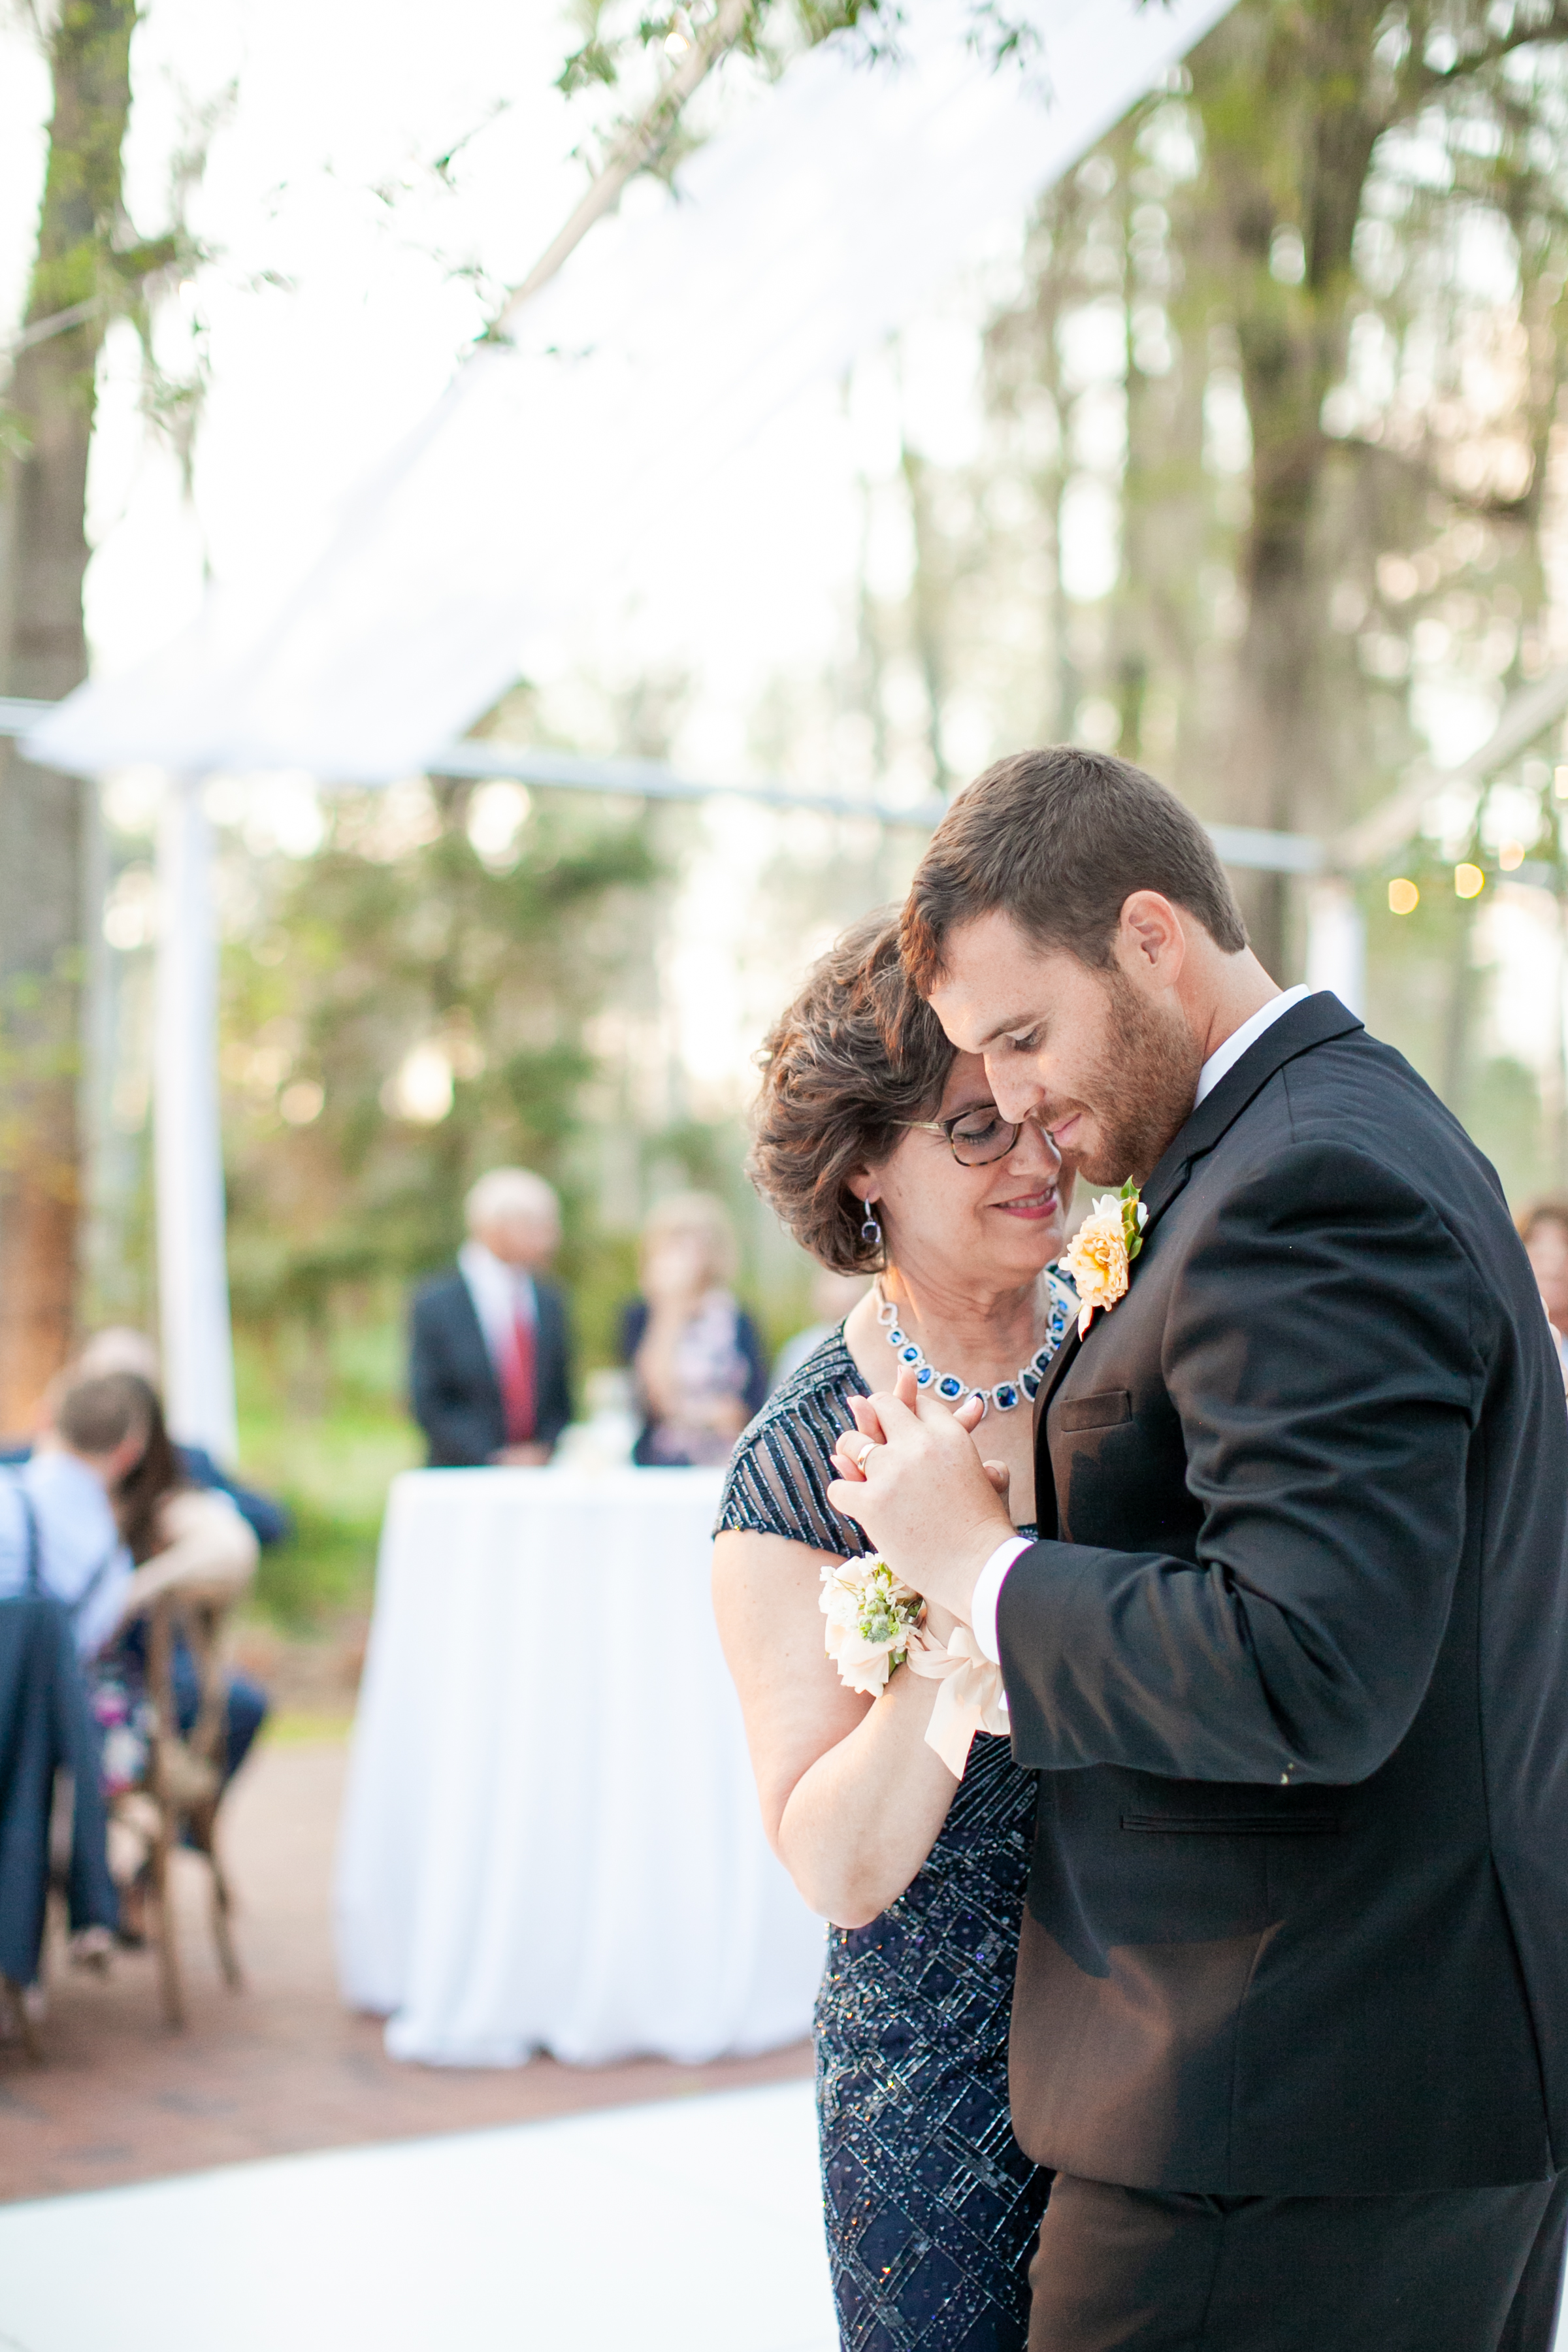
[975, 1137]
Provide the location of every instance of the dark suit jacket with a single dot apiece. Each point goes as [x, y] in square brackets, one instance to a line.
[452, 1383]
[46, 1727]
[1295, 1671]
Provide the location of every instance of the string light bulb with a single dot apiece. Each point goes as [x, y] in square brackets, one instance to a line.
[1403, 897]
[1469, 881]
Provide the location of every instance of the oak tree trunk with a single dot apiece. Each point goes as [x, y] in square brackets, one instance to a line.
[1287, 97]
[43, 654]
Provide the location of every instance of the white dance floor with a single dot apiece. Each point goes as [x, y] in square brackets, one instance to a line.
[693, 2225]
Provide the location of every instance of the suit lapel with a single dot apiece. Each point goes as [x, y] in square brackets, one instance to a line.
[1055, 1371]
[1311, 1023]
[477, 1346]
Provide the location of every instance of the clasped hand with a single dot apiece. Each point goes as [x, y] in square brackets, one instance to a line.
[934, 1510]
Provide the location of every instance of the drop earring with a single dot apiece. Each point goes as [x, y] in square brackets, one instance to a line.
[871, 1231]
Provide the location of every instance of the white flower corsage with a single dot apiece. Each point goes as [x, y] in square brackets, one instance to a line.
[876, 1622]
[870, 1616]
[1102, 1252]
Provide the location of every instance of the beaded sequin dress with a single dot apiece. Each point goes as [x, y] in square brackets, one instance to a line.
[931, 2207]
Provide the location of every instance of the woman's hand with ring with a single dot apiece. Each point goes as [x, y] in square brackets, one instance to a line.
[857, 1446]
[852, 1455]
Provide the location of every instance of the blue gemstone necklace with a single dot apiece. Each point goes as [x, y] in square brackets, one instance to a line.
[1006, 1394]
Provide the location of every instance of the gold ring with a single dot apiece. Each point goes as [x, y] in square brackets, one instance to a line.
[868, 1448]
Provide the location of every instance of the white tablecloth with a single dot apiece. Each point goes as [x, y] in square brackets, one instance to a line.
[551, 1838]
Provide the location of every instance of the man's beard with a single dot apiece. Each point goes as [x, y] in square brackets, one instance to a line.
[1142, 1092]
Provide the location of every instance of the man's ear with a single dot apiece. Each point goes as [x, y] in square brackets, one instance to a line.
[1150, 943]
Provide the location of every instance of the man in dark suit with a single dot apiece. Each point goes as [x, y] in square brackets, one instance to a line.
[490, 1373]
[1291, 1654]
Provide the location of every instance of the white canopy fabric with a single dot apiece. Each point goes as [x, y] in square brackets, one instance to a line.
[817, 222]
[552, 472]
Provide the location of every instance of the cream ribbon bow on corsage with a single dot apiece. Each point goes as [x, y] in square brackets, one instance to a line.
[971, 1698]
[1102, 1252]
[874, 1627]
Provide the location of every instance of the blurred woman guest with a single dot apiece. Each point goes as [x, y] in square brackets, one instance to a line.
[120, 1348]
[695, 1352]
[183, 1538]
[882, 1150]
[1543, 1229]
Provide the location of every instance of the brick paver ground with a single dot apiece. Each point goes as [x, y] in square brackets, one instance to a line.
[281, 2067]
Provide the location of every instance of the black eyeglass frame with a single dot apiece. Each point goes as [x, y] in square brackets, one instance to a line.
[944, 1127]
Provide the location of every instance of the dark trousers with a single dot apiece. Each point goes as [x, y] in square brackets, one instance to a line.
[244, 1715]
[1131, 2269]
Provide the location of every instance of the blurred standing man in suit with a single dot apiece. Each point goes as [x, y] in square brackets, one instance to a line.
[490, 1371]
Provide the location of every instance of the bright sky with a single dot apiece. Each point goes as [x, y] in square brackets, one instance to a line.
[347, 276]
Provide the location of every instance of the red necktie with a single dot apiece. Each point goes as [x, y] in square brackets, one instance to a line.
[517, 1380]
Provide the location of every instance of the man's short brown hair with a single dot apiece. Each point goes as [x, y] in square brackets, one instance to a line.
[1058, 839]
[856, 1056]
[96, 1415]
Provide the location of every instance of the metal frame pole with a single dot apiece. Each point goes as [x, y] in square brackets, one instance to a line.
[193, 1272]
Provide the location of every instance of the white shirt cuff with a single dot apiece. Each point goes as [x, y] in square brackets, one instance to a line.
[988, 1592]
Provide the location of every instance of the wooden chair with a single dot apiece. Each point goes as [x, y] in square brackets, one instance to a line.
[14, 2010]
[183, 1780]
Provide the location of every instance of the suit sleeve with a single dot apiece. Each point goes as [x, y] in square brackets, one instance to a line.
[454, 1427]
[555, 1369]
[1323, 1351]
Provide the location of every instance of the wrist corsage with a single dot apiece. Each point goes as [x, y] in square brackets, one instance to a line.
[876, 1622]
[870, 1616]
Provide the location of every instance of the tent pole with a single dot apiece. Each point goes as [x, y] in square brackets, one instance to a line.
[193, 1276]
[1336, 941]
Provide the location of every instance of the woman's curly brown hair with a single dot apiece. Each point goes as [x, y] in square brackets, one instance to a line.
[856, 1055]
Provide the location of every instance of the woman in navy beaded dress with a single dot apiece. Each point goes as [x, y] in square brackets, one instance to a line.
[882, 1150]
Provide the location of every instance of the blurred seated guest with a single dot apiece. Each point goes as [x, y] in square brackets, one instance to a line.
[60, 1539]
[832, 1298]
[58, 1532]
[1543, 1229]
[694, 1349]
[121, 1349]
[490, 1371]
[185, 1539]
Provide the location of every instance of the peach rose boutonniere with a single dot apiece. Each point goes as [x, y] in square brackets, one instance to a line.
[1103, 1248]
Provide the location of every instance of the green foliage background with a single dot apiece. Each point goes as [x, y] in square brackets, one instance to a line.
[1332, 446]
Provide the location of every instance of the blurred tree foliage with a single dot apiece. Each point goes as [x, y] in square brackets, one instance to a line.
[411, 1008]
[1334, 265]
[1270, 494]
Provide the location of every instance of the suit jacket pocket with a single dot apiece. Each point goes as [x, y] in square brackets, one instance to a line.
[1298, 1823]
[1101, 1411]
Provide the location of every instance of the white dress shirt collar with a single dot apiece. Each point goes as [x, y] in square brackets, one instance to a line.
[499, 1292]
[1225, 1058]
[988, 1590]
